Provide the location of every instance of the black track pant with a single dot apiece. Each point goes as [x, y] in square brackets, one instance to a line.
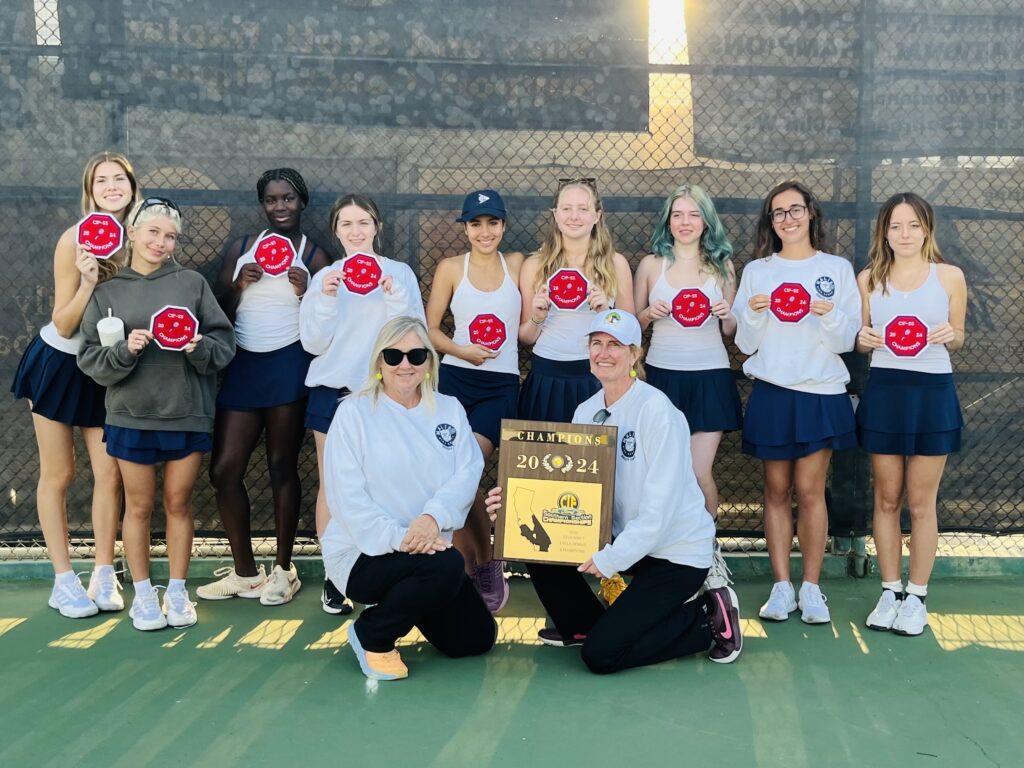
[430, 592]
[650, 622]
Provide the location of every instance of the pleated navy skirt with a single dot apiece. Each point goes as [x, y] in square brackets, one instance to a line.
[487, 396]
[255, 380]
[150, 446]
[554, 388]
[784, 424]
[909, 413]
[320, 408]
[57, 388]
[709, 400]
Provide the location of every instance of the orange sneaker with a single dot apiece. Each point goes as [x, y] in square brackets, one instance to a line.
[377, 666]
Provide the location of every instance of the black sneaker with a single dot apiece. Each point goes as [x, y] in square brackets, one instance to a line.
[550, 636]
[724, 618]
[333, 601]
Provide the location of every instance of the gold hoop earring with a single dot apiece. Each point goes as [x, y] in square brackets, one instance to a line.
[379, 376]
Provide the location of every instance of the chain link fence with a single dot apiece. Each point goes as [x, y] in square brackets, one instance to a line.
[418, 102]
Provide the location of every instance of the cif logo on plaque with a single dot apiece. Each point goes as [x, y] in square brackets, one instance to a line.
[558, 481]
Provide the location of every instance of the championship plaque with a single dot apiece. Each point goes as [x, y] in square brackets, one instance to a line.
[558, 484]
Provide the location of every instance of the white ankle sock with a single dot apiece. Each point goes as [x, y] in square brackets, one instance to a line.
[176, 585]
[101, 569]
[894, 586]
[918, 590]
[67, 577]
[143, 587]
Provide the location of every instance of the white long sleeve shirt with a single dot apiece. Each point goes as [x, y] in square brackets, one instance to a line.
[659, 508]
[341, 330]
[384, 466]
[801, 355]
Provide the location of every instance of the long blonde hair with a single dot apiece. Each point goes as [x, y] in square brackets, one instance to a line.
[881, 253]
[391, 333]
[109, 267]
[600, 260]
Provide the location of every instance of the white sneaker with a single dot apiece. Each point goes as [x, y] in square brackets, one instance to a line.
[180, 610]
[281, 586]
[719, 576]
[885, 612]
[104, 589]
[71, 599]
[781, 602]
[812, 605]
[233, 585]
[912, 617]
[145, 612]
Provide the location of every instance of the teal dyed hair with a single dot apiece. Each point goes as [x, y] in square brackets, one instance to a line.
[715, 248]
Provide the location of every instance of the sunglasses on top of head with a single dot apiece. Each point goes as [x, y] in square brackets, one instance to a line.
[394, 357]
[150, 202]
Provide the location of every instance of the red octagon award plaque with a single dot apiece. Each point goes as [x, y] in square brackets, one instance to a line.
[567, 289]
[691, 308]
[487, 331]
[275, 254]
[361, 274]
[906, 336]
[791, 303]
[101, 233]
[174, 327]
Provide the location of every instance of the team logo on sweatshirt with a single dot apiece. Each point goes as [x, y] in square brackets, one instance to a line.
[629, 445]
[445, 434]
[825, 286]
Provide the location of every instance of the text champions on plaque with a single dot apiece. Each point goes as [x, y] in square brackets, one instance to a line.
[558, 484]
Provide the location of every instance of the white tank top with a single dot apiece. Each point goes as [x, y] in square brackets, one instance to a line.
[48, 333]
[693, 342]
[494, 317]
[563, 336]
[903, 318]
[267, 316]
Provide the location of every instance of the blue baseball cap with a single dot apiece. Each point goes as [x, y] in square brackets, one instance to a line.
[483, 202]
[618, 324]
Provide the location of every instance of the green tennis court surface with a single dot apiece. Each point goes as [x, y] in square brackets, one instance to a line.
[255, 686]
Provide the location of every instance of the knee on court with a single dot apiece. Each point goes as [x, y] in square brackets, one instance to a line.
[600, 657]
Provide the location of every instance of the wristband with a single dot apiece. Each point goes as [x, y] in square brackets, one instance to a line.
[536, 322]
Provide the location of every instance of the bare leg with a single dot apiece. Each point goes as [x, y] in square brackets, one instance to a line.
[139, 495]
[704, 447]
[285, 433]
[179, 482]
[56, 471]
[812, 518]
[924, 473]
[323, 514]
[473, 540]
[235, 436]
[887, 474]
[778, 515]
[106, 495]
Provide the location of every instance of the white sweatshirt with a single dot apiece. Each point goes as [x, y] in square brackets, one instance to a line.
[341, 330]
[384, 466]
[801, 355]
[659, 508]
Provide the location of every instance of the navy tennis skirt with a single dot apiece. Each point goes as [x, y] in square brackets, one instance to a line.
[255, 380]
[554, 388]
[150, 446]
[909, 413]
[57, 388]
[708, 399]
[320, 408]
[784, 424]
[487, 396]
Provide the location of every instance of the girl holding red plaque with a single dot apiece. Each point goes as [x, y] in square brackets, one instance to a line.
[575, 274]
[685, 289]
[161, 383]
[62, 397]
[796, 312]
[481, 361]
[339, 317]
[909, 419]
[261, 282]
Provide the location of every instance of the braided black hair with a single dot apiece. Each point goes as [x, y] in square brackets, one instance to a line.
[289, 175]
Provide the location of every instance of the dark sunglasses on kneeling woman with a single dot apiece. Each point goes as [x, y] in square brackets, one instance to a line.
[394, 357]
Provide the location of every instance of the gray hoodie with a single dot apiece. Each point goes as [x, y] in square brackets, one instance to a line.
[158, 389]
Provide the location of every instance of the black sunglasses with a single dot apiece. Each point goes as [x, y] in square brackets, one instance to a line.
[394, 356]
[149, 202]
[602, 416]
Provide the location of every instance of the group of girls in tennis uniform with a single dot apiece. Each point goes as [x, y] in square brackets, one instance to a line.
[292, 340]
